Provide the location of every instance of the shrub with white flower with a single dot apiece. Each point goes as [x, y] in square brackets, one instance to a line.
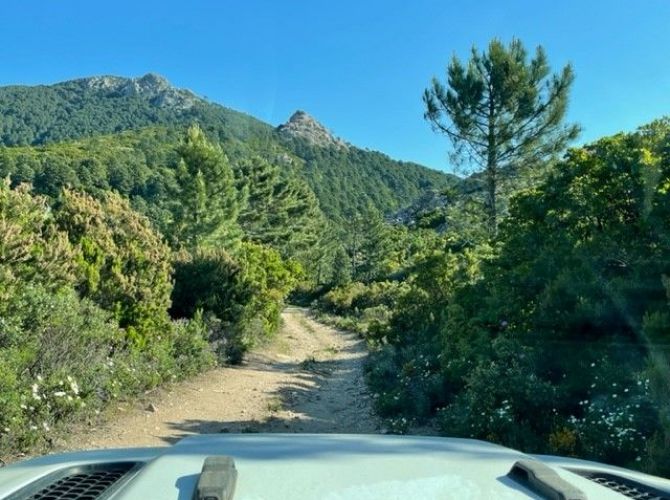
[47, 401]
[616, 422]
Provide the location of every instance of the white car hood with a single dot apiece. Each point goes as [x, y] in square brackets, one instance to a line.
[304, 466]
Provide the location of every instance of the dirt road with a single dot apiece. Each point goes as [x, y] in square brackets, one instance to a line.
[308, 379]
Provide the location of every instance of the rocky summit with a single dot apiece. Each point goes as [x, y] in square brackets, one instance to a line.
[304, 126]
[152, 87]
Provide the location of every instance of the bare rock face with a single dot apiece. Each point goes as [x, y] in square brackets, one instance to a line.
[152, 87]
[306, 127]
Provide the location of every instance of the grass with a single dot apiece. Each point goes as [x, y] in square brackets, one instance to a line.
[275, 405]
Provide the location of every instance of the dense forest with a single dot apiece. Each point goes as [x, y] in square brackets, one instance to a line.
[150, 234]
[344, 180]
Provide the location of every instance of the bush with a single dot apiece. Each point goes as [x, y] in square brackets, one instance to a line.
[245, 294]
[123, 265]
[191, 350]
[54, 353]
[364, 308]
[31, 248]
[61, 354]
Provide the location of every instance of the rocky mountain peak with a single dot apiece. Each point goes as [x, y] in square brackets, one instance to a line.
[153, 87]
[303, 125]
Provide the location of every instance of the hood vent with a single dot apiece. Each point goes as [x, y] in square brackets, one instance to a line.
[624, 486]
[86, 482]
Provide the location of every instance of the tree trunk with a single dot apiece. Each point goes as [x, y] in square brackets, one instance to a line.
[492, 170]
[491, 202]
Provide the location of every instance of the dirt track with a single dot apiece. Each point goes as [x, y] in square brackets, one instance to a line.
[308, 379]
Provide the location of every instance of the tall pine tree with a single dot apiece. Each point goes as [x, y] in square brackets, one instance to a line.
[501, 110]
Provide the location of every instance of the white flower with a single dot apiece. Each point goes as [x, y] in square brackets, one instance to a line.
[59, 394]
[46, 426]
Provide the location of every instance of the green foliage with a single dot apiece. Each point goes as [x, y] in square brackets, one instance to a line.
[501, 110]
[77, 284]
[207, 203]
[245, 293]
[552, 341]
[32, 249]
[364, 308]
[49, 345]
[281, 211]
[123, 264]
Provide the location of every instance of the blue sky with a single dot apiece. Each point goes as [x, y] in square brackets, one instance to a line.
[358, 66]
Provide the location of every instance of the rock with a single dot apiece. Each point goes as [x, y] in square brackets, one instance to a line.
[304, 126]
[427, 203]
[152, 408]
[152, 87]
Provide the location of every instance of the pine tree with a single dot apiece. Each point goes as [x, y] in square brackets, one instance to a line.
[500, 111]
[208, 203]
[281, 210]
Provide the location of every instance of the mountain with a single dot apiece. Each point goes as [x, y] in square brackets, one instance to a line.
[304, 126]
[346, 179]
[34, 115]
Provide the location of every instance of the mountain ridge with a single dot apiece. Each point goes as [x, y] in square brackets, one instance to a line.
[345, 178]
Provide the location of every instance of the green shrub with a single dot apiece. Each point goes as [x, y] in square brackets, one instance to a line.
[54, 351]
[363, 308]
[340, 300]
[244, 293]
[31, 248]
[191, 350]
[63, 355]
[123, 264]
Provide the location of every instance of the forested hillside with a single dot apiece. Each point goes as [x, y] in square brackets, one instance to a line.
[107, 104]
[344, 179]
